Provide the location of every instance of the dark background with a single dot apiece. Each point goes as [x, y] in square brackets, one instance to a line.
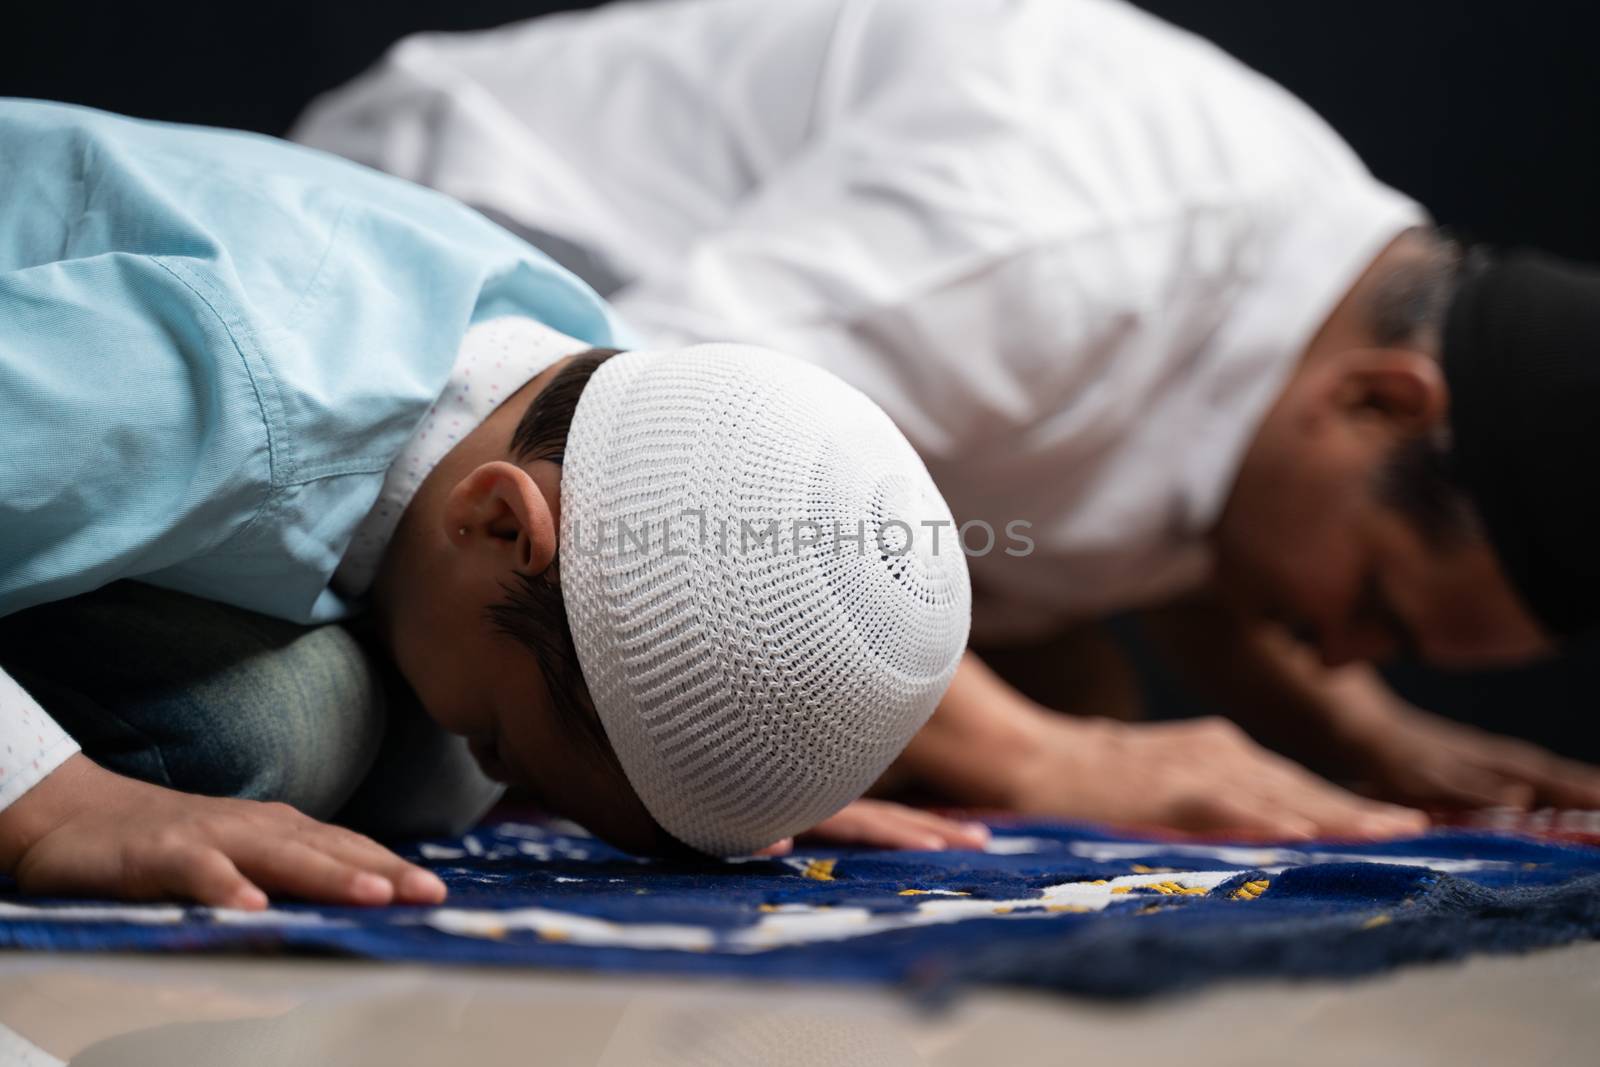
[1486, 112]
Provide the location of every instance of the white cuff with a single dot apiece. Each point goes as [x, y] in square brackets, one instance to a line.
[31, 744]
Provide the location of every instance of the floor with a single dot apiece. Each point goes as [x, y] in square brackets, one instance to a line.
[116, 1010]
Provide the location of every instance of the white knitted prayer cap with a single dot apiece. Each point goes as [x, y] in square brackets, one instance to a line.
[762, 617]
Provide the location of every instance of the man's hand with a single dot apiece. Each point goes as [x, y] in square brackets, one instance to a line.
[989, 746]
[882, 824]
[87, 831]
[1202, 775]
[1348, 724]
[1414, 757]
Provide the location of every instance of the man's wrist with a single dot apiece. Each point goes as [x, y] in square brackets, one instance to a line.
[976, 745]
[1013, 747]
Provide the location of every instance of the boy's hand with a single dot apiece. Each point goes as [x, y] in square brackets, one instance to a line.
[86, 831]
[882, 824]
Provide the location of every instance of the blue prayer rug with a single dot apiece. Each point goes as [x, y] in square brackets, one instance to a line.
[1065, 907]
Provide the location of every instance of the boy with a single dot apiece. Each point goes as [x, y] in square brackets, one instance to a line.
[667, 590]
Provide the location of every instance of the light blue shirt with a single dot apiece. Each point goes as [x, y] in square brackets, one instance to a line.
[212, 345]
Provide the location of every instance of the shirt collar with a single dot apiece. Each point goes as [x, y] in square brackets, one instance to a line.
[497, 357]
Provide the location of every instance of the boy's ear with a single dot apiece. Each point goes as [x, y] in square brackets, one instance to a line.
[1403, 386]
[498, 508]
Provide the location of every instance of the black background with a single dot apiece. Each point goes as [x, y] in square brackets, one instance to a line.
[1486, 112]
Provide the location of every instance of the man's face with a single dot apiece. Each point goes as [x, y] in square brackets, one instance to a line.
[1307, 540]
[1362, 584]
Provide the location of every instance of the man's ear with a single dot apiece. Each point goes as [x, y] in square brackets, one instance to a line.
[498, 508]
[1404, 387]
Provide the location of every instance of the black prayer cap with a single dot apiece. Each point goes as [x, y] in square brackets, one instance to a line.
[1522, 361]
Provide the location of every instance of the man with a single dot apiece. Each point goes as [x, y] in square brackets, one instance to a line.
[240, 370]
[1124, 296]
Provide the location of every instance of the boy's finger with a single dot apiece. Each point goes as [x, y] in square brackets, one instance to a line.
[418, 886]
[211, 878]
[892, 828]
[970, 835]
[412, 884]
[956, 834]
[901, 837]
[297, 868]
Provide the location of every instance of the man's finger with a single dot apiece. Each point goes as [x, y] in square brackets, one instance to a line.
[1569, 786]
[1332, 810]
[1541, 776]
[1369, 821]
[1462, 785]
[1340, 813]
[1254, 817]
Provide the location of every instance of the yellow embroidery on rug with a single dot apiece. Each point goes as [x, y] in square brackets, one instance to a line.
[1252, 890]
[819, 870]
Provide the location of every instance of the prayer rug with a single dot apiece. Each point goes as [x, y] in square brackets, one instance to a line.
[1068, 907]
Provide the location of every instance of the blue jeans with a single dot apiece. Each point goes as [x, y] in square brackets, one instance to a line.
[205, 698]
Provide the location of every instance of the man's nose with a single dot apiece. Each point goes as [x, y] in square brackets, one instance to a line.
[1343, 646]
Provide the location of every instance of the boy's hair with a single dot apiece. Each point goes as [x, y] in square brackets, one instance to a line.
[533, 612]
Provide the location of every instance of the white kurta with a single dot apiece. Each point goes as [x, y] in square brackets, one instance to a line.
[1073, 251]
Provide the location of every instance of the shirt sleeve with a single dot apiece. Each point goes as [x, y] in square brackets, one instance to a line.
[31, 744]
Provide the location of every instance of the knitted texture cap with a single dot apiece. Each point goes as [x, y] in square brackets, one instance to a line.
[763, 614]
